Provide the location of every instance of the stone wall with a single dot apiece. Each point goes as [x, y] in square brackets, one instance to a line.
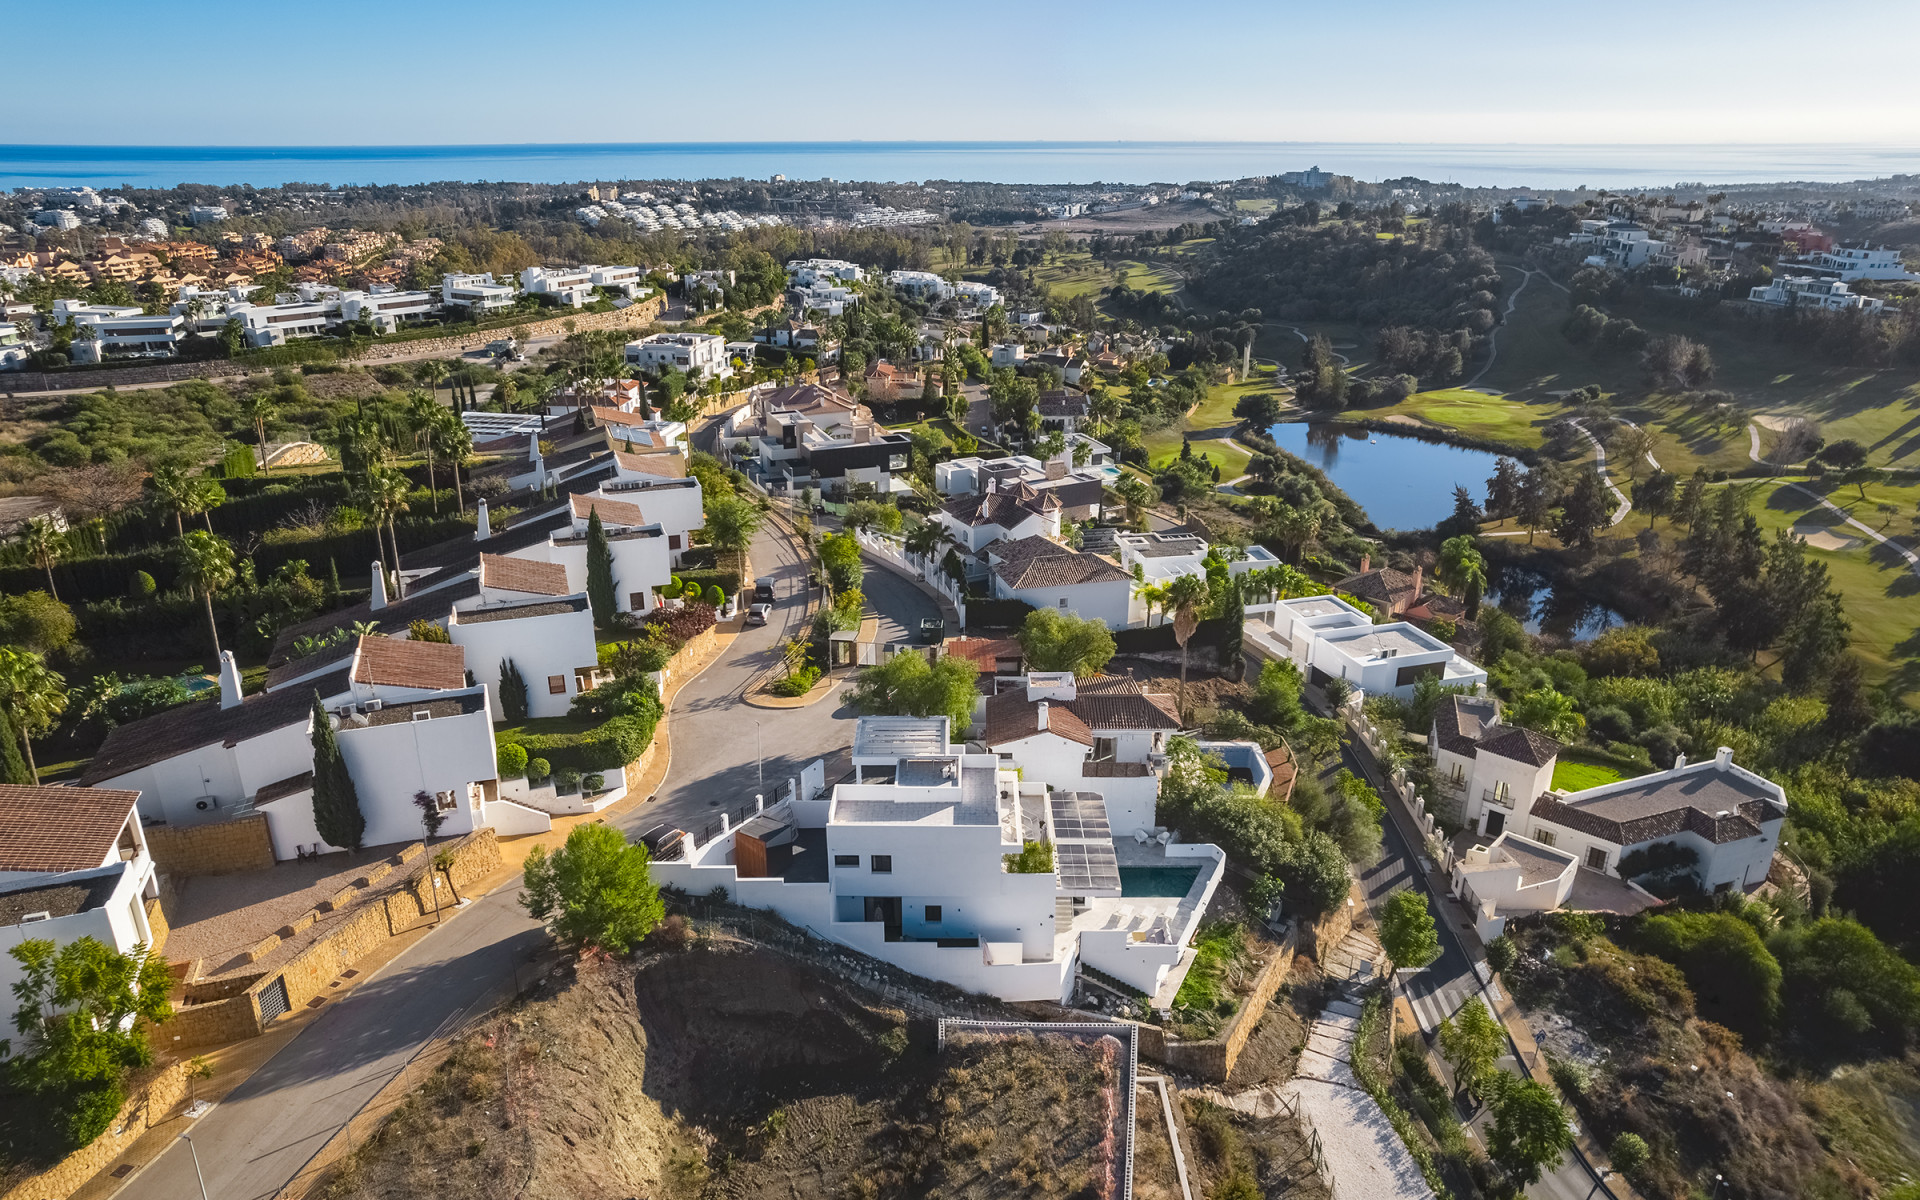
[151, 1096]
[213, 1023]
[218, 848]
[1327, 932]
[645, 312]
[1214, 1058]
[157, 922]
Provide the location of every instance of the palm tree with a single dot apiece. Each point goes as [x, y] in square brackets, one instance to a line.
[1155, 596]
[260, 409]
[452, 438]
[1463, 569]
[44, 542]
[1137, 495]
[924, 540]
[1186, 595]
[431, 372]
[33, 695]
[206, 565]
[1295, 527]
[201, 498]
[170, 487]
[387, 498]
[423, 408]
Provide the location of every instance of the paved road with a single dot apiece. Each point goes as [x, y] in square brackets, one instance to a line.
[262, 1133]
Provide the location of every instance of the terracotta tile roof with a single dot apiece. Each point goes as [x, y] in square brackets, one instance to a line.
[806, 397]
[1460, 722]
[398, 663]
[1520, 745]
[1665, 805]
[511, 574]
[1384, 584]
[984, 653]
[612, 512]
[1061, 570]
[431, 605]
[666, 466]
[60, 828]
[200, 723]
[1011, 716]
[1136, 711]
[603, 415]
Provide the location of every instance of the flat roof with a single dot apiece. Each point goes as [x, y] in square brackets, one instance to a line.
[1371, 641]
[972, 799]
[900, 737]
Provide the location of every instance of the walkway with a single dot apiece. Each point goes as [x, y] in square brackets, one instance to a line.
[1600, 464]
[1912, 559]
[1493, 345]
[1364, 1154]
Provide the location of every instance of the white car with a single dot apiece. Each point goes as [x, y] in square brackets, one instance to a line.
[758, 614]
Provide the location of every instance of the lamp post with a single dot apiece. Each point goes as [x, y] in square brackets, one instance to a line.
[202, 1179]
[759, 758]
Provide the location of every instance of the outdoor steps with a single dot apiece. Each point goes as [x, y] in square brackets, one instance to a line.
[1356, 962]
[1062, 914]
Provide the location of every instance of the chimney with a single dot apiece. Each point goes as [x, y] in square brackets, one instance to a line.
[230, 696]
[1039, 713]
[1723, 757]
[1419, 575]
[483, 529]
[379, 600]
[1680, 760]
[533, 448]
[1056, 468]
[1366, 560]
[862, 434]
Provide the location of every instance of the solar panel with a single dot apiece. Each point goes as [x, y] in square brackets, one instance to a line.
[1079, 817]
[1086, 867]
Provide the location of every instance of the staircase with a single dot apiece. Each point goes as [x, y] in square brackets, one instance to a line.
[1062, 914]
[1356, 962]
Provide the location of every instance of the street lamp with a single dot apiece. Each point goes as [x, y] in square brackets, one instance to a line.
[759, 758]
[196, 1165]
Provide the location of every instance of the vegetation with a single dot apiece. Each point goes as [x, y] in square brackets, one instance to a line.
[337, 816]
[1035, 858]
[1055, 641]
[1406, 930]
[907, 685]
[595, 892]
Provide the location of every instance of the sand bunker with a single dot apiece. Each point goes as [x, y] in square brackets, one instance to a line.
[1823, 537]
[1777, 424]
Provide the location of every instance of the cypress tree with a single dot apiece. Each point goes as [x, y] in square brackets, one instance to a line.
[1233, 618]
[600, 585]
[336, 804]
[513, 691]
[13, 768]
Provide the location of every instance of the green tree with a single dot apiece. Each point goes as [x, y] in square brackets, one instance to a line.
[1464, 569]
[1529, 1131]
[1471, 1041]
[731, 524]
[1186, 599]
[36, 621]
[1057, 641]
[1843, 985]
[1654, 495]
[1232, 616]
[1406, 930]
[513, 691]
[600, 582]
[260, 410]
[1584, 510]
[1544, 710]
[1534, 499]
[595, 892]
[1733, 976]
[44, 543]
[79, 1036]
[1629, 1154]
[840, 559]
[907, 685]
[33, 696]
[206, 566]
[336, 802]
[13, 768]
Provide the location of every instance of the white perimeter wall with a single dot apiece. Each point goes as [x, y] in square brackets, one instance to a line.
[558, 644]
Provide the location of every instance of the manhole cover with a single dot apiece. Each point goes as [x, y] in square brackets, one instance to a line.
[349, 973]
[122, 1171]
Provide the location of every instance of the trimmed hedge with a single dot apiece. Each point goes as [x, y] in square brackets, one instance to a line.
[612, 746]
[997, 614]
[726, 581]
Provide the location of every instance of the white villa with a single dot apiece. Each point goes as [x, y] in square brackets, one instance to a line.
[909, 863]
[1807, 291]
[1529, 848]
[1327, 638]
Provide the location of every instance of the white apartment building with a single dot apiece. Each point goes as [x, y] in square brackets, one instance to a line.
[805, 272]
[277, 324]
[1807, 291]
[1330, 639]
[132, 336]
[701, 355]
[979, 295]
[570, 287]
[206, 214]
[1625, 246]
[908, 864]
[1852, 263]
[526, 614]
[478, 293]
[57, 218]
[73, 864]
[1009, 354]
[70, 312]
[388, 309]
[629, 281]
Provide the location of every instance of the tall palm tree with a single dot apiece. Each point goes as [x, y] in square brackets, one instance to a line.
[1295, 527]
[1464, 569]
[33, 695]
[170, 487]
[424, 410]
[1186, 596]
[431, 372]
[260, 409]
[454, 439]
[206, 565]
[387, 498]
[201, 498]
[1155, 596]
[44, 542]
[925, 539]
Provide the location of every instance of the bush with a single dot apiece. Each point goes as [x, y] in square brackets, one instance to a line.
[1035, 858]
[1502, 953]
[539, 768]
[143, 586]
[513, 761]
[797, 684]
[1629, 1154]
[594, 782]
[1735, 980]
[566, 780]
[715, 596]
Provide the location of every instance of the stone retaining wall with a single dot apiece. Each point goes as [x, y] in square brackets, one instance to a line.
[157, 921]
[1214, 1058]
[218, 848]
[148, 1103]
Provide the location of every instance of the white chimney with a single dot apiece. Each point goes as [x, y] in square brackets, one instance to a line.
[1723, 757]
[1680, 760]
[379, 600]
[482, 529]
[229, 680]
[533, 448]
[1040, 715]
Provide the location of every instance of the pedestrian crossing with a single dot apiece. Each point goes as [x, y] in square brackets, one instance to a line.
[1434, 996]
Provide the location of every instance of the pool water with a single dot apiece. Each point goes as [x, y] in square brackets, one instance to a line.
[1157, 881]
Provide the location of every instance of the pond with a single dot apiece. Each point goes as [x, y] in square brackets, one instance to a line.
[1402, 482]
[1544, 608]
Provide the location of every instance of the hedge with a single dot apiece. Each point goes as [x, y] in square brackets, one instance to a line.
[997, 614]
[726, 581]
[613, 745]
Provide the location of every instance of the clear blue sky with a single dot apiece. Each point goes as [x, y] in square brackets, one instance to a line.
[484, 71]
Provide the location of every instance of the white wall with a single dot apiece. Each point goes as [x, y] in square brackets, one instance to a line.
[391, 762]
[1131, 802]
[120, 922]
[1524, 782]
[639, 564]
[1110, 603]
[1049, 758]
[169, 789]
[558, 644]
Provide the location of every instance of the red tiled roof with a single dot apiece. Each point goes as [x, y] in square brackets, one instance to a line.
[60, 828]
[666, 466]
[612, 512]
[511, 574]
[397, 663]
[1011, 717]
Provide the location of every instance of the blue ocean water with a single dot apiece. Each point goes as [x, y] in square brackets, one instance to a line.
[1482, 165]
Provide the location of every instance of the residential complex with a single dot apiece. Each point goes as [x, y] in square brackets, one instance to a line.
[701, 355]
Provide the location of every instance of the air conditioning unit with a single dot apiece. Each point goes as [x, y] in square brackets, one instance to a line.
[204, 803]
[374, 706]
[421, 714]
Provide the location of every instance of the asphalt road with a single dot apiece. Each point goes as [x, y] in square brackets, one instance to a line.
[267, 1128]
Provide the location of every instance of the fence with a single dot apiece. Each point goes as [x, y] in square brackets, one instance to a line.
[893, 552]
[1311, 1135]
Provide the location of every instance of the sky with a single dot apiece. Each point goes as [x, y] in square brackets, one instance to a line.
[428, 72]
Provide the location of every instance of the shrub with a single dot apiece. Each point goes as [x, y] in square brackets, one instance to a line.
[797, 684]
[539, 768]
[683, 624]
[1502, 953]
[1629, 1154]
[513, 761]
[1035, 858]
[715, 596]
[566, 780]
[595, 891]
[143, 586]
[593, 782]
[423, 630]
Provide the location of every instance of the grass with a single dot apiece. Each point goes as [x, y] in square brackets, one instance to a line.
[1572, 775]
[1211, 425]
[547, 726]
[1217, 950]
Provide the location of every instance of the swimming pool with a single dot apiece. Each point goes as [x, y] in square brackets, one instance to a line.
[1157, 881]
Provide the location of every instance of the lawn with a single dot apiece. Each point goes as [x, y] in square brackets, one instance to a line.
[1499, 417]
[1571, 775]
[1210, 425]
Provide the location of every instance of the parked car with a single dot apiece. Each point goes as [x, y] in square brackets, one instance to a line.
[933, 630]
[763, 590]
[663, 842]
[758, 614]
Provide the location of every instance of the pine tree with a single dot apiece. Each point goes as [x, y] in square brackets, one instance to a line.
[13, 768]
[336, 803]
[513, 691]
[600, 583]
[333, 583]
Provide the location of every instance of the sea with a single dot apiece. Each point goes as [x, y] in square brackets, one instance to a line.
[1508, 165]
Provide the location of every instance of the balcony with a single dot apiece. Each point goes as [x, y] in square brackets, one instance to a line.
[1497, 799]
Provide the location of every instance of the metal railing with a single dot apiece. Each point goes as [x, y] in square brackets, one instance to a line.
[1497, 799]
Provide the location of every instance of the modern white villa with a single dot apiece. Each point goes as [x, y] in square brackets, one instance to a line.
[1327, 638]
[1530, 848]
[909, 862]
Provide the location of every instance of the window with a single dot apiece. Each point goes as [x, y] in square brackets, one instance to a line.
[673, 541]
[1597, 859]
[1063, 602]
[1543, 836]
[637, 601]
[444, 802]
[882, 864]
[846, 860]
[556, 685]
[933, 914]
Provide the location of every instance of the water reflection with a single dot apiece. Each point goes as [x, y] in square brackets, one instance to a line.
[1402, 482]
[1546, 609]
